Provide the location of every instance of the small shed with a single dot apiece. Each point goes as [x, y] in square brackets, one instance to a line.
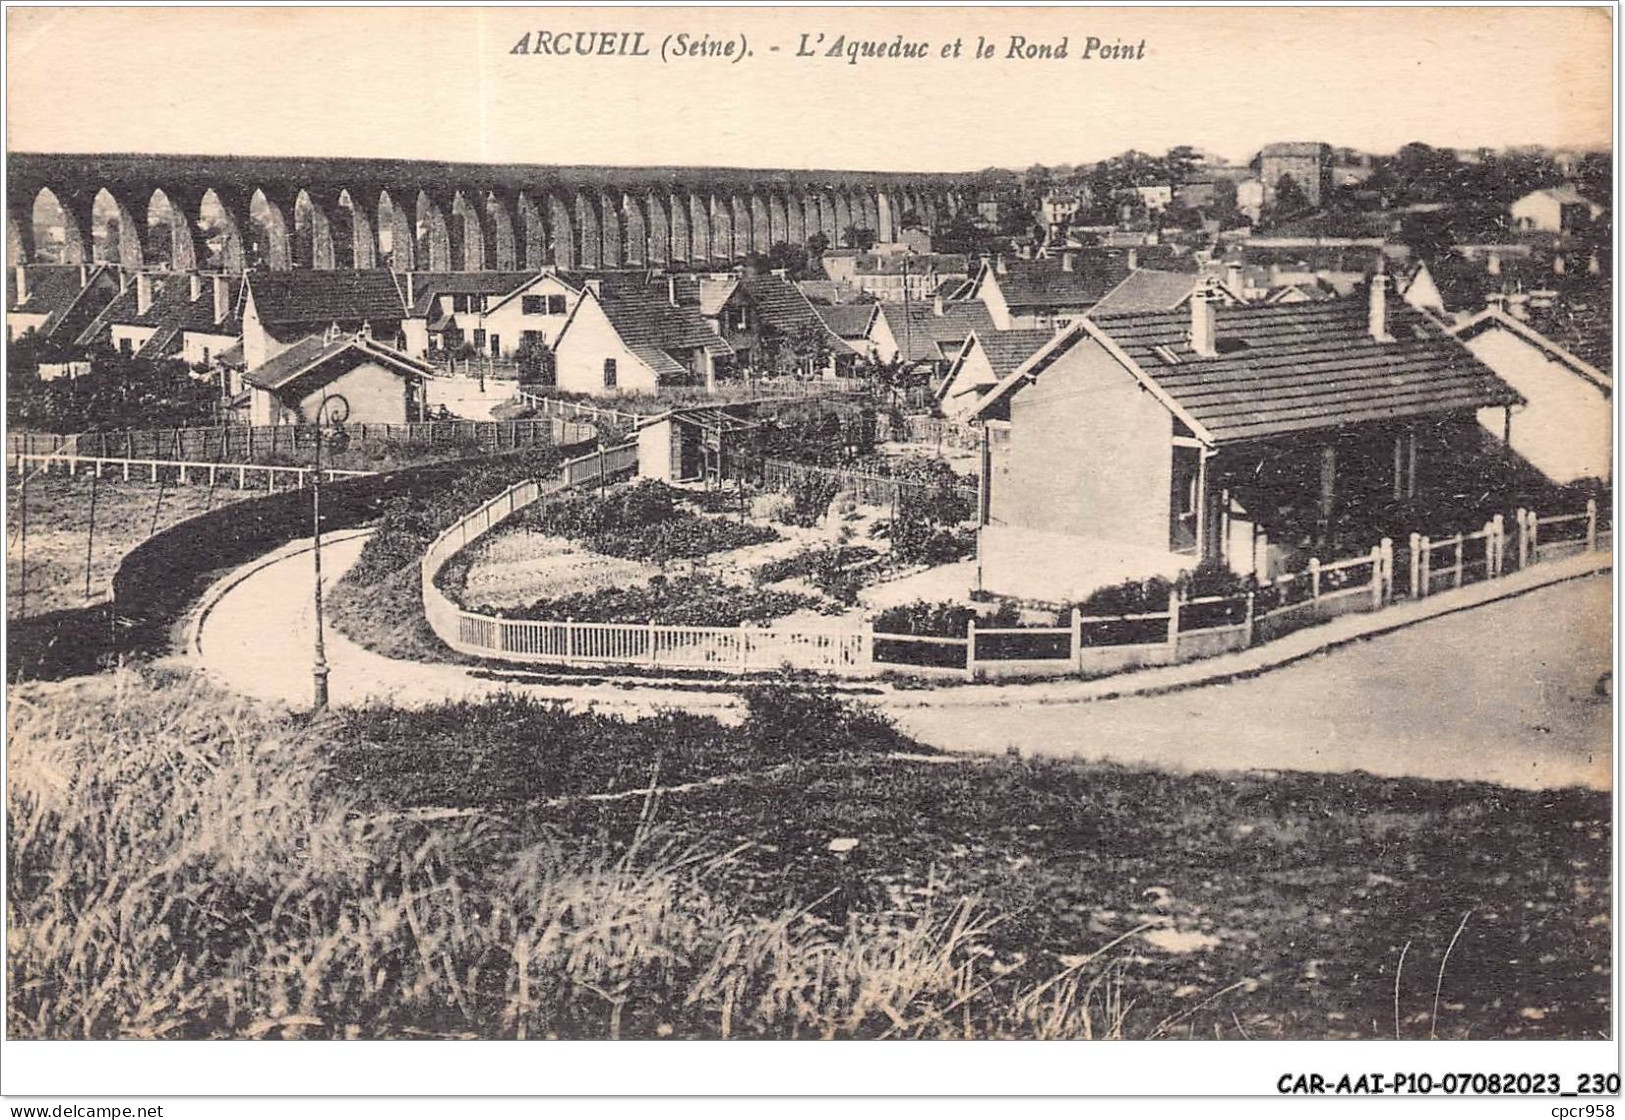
[693, 445]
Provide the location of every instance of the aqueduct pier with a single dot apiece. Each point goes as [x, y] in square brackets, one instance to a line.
[182, 212]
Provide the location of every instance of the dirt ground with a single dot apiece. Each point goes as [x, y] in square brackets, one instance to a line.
[59, 531]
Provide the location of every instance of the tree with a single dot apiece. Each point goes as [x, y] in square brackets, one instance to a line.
[859, 238]
[1290, 201]
[536, 362]
[817, 244]
[909, 219]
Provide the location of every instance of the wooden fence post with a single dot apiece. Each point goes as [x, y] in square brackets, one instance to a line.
[1247, 623]
[569, 636]
[1376, 577]
[1457, 570]
[1173, 620]
[1387, 551]
[1534, 537]
[1523, 538]
[1591, 524]
[970, 651]
[1077, 638]
[1426, 547]
[1416, 565]
[1499, 538]
[1314, 578]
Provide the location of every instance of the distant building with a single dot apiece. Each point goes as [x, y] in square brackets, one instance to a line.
[930, 334]
[58, 300]
[987, 213]
[1058, 210]
[1048, 292]
[336, 377]
[764, 317]
[285, 307]
[1307, 164]
[1565, 428]
[1196, 193]
[1250, 199]
[892, 277]
[987, 358]
[492, 312]
[1553, 210]
[1155, 196]
[635, 340]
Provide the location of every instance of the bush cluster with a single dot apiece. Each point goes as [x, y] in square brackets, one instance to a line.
[642, 522]
[697, 600]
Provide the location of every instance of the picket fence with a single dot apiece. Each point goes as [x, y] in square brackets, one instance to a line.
[1087, 646]
[239, 476]
[781, 475]
[251, 444]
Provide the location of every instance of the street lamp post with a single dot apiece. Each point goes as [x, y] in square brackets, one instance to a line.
[319, 668]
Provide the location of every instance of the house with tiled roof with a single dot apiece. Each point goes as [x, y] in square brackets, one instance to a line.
[1150, 289]
[492, 312]
[892, 277]
[281, 308]
[1565, 428]
[832, 292]
[852, 323]
[1048, 292]
[1561, 209]
[1242, 435]
[769, 324]
[987, 359]
[336, 378]
[57, 300]
[635, 340]
[171, 315]
[931, 334]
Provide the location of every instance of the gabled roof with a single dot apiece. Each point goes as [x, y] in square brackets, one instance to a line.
[51, 289]
[1494, 318]
[1287, 369]
[427, 286]
[1565, 195]
[781, 304]
[849, 320]
[311, 295]
[1048, 283]
[651, 326]
[833, 292]
[1146, 289]
[315, 351]
[1006, 350]
[172, 311]
[921, 333]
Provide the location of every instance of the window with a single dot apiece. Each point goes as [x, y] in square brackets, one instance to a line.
[205, 353]
[459, 303]
[555, 305]
[124, 347]
[535, 338]
[496, 346]
[609, 373]
[533, 305]
[479, 338]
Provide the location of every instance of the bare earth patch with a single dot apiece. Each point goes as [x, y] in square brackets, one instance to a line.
[514, 569]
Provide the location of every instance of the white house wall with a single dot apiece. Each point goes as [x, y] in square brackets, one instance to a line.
[583, 349]
[1566, 429]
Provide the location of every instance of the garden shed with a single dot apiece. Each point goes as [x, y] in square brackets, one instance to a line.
[694, 445]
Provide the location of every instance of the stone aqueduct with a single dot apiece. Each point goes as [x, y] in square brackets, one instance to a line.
[340, 213]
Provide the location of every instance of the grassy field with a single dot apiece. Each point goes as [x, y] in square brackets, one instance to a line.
[127, 513]
[183, 868]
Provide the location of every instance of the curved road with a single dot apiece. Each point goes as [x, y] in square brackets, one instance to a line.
[1505, 692]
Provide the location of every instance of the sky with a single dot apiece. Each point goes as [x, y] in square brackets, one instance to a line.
[446, 83]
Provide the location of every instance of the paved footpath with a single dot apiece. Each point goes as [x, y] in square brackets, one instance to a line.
[1507, 691]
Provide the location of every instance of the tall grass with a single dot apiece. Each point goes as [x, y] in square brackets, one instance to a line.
[182, 867]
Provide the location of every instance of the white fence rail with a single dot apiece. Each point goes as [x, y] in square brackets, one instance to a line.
[1187, 629]
[241, 476]
[741, 649]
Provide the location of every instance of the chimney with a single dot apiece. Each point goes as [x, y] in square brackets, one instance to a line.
[1494, 265]
[1133, 259]
[1559, 266]
[366, 329]
[999, 266]
[936, 306]
[1066, 262]
[595, 286]
[22, 284]
[1378, 324]
[194, 282]
[1203, 330]
[222, 298]
[1234, 279]
[411, 297]
[143, 293]
[671, 290]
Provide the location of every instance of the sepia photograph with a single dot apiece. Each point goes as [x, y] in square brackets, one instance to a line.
[794, 524]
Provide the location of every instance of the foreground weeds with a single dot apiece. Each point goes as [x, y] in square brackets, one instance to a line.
[180, 867]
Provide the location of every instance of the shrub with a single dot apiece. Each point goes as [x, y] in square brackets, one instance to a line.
[1146, 596]
[931, 620]
[701, 600]
[810, 498]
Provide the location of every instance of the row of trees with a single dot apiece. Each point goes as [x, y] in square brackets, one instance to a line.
[116, 391]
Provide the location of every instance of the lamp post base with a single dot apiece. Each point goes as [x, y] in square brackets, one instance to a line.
[319, 674]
